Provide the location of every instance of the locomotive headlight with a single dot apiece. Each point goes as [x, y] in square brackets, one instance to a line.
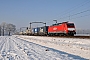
[71, 29]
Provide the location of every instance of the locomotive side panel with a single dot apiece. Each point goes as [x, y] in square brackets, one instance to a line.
[61, 28]
[56, 30]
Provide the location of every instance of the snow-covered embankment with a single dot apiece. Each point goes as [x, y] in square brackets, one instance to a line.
[79, 47]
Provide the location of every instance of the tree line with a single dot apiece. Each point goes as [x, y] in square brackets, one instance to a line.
[7, 29]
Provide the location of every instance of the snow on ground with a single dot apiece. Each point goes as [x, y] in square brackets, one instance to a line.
[74, 46]
[43, 48]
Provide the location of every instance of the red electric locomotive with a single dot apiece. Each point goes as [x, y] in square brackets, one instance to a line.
[64, 28]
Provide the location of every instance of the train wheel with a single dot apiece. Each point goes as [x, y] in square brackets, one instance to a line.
[71, 34]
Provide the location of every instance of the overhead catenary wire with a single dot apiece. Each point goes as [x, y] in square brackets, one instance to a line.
[81, 16]
[76, 7]
[76, 13]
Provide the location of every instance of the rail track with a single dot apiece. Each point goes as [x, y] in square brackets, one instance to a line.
[82, 37]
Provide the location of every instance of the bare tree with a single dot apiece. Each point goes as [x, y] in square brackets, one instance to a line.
[7, 28]
[10, 28]
[3, 26]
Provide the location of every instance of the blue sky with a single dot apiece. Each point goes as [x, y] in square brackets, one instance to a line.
[22, 12]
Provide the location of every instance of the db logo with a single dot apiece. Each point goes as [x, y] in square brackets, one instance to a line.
[54, 28]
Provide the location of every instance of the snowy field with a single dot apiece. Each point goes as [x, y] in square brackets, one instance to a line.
[43, 48]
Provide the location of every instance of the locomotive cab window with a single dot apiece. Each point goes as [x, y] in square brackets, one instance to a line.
[70, 25]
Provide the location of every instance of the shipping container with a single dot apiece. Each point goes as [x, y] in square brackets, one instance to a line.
[43, 30]
[35, 31]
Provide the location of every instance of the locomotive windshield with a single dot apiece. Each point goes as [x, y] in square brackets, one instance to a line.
[70, 25]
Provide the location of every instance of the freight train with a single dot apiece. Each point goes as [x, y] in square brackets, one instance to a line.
[58, 29]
